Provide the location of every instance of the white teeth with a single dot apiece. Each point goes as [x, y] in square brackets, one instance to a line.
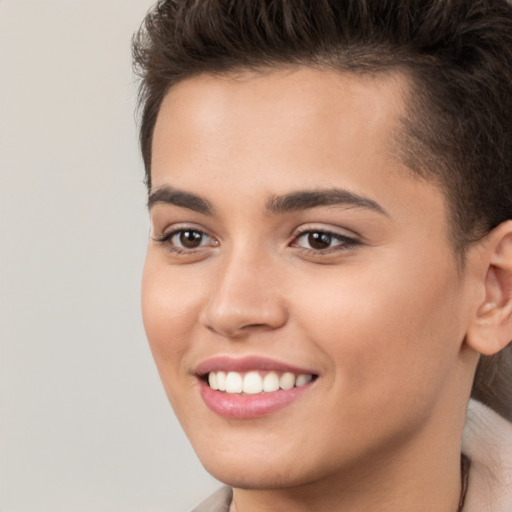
[212, 380]
[287, 381]
[221, 381]
[271, 382]
[234, 382]
[303, 379]
[252, 383]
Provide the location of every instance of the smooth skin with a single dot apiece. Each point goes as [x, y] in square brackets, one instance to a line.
[367, 294]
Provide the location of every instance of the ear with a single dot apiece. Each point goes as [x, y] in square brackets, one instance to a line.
[491, 327]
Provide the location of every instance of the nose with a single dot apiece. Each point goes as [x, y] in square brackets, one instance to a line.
[246, 297]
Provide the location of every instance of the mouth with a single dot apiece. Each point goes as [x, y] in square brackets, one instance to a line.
[251, 387]
[255, 382]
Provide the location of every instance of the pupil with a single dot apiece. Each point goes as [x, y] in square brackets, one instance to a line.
[319, 240]
[190, 239]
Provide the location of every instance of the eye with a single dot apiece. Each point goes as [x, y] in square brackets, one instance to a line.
[323, 241]
[188, 239]
[185, 239]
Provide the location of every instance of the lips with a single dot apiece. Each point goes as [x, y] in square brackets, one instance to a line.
[250, 387]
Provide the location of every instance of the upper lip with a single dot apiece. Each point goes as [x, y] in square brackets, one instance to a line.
[248, 363]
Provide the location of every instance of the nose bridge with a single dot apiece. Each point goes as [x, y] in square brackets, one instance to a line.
[246, 294]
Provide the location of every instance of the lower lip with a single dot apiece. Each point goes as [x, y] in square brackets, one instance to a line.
[249, 406]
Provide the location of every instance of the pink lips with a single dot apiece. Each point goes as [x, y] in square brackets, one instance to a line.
[241, 406]
[245, 364]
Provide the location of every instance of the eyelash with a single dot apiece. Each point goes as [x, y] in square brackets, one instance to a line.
[345, 243]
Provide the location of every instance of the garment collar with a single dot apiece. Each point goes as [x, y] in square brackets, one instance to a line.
[487, 442]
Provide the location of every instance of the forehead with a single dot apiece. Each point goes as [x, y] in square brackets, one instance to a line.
[295, 111]
[315, 88]
[258, 135]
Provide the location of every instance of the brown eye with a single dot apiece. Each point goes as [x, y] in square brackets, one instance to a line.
[324, 242]
[318, 240]
[186, 239]
[189, 239]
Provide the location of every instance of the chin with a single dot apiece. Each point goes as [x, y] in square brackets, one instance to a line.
[272, 465]
[246, 475]
[252, 463]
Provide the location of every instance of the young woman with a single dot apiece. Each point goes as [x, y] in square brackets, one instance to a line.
[329, 274]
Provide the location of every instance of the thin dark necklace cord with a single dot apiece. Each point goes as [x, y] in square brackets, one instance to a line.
[464, 471]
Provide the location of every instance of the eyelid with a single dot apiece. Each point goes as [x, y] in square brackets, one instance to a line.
[177, 227]
[328, 229]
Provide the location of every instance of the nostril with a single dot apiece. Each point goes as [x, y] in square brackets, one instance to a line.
[238, 331]
[230, 331]
[255, 326]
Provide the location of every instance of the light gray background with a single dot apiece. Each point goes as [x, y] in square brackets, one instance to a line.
[84, 423]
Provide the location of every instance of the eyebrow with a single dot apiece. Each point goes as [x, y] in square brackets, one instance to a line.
[294, 201]
[305, 199]
[170, 195]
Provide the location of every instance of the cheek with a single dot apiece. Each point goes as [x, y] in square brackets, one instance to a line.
[169, 312]
[392, 324]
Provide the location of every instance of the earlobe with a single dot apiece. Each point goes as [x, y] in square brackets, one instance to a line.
[491, 328]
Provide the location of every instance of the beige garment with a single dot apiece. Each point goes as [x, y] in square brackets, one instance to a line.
[487, 442]
[220, 501]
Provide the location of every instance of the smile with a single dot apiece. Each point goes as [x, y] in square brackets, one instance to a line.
[255, 382]
[251, 387]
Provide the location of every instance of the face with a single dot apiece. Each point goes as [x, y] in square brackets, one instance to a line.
[298, 265]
